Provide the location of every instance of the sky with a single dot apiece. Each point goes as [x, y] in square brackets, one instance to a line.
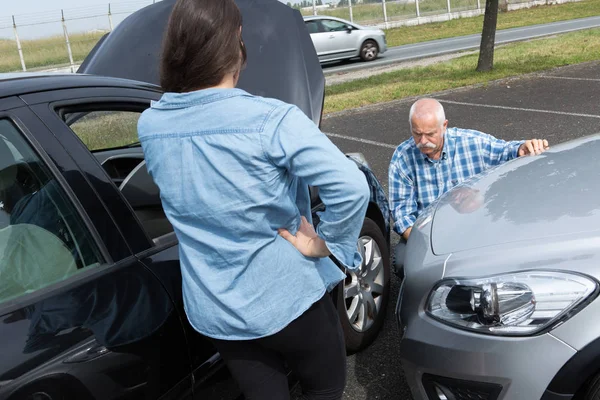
[39, 18]
[10, 7]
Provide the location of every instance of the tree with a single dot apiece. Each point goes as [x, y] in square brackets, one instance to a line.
[488, 36]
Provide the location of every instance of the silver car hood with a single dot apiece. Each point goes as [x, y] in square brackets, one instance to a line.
[557, 193]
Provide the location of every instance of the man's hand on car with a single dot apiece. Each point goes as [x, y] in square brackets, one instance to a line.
[533, 147]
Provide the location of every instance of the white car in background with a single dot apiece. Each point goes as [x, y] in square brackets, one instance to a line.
[337, 39]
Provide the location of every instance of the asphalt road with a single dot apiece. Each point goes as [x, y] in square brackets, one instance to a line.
[559, 105]
[461, 43]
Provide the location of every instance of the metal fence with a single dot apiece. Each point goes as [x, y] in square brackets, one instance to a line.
[386, 11]
[64, 38]
[39, 40]
[390, 13]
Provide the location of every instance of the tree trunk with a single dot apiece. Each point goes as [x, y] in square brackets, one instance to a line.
[488, 36]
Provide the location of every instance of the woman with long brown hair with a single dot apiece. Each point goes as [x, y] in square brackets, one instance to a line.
[233, 171]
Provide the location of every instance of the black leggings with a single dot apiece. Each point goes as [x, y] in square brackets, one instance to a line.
[313, 347]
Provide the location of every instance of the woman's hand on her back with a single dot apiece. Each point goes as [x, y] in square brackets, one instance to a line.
[306, 240]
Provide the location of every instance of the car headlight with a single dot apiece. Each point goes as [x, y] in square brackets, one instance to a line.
[521, 303]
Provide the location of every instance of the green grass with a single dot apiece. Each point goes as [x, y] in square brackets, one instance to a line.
[510, 60]
[506, 20]
[46, 52]
[102, 130]
[373, 13]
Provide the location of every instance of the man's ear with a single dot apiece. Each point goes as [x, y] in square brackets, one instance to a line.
[445, 125]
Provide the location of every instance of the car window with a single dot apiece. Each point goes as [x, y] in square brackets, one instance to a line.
[101, 130]
[312, 26]
[333, 26]
[13, 150]
[43, 239]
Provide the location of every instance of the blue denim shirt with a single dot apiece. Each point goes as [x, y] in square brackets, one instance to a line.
[232, 169]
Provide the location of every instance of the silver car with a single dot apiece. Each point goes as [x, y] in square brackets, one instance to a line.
[338, 39]
[499, 299]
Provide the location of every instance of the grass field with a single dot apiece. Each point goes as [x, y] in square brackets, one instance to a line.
[506, 20]
[510, 60]
[46, 52]
[373, 13]
[102, 130]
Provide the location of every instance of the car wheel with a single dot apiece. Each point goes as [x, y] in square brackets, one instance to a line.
[363, 296]
[369, 50]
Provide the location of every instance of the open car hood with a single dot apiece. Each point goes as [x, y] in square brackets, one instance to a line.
[282, 62]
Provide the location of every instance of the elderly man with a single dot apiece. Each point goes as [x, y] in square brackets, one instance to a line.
[438, 158]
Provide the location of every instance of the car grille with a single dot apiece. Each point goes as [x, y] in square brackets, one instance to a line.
[442, 388]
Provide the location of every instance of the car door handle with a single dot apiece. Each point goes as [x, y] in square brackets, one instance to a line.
[331, 36]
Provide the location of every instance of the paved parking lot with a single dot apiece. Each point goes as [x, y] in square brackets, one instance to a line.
[559, 105]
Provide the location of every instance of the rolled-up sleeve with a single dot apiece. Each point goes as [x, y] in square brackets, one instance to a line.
[295, 143]
[402, 197]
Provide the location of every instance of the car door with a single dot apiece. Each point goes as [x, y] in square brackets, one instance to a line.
[106, 127]
[318, 37]
[81, 316]
[341, 41]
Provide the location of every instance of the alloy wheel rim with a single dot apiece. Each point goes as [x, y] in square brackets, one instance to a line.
[363, 288]
[369, 51]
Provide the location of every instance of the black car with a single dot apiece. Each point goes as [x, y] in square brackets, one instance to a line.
[90, 285]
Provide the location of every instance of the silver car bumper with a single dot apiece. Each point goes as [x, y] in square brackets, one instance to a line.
[442, 362]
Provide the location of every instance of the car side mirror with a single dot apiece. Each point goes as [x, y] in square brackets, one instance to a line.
[349, 28]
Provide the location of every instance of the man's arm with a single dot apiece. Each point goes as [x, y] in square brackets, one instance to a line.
[403, 199]
[500, 150]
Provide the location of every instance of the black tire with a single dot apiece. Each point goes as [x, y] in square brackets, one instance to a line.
[593, 390]
[359, 335]
[369, 50]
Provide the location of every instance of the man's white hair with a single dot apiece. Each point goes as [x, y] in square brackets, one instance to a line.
[439, 111]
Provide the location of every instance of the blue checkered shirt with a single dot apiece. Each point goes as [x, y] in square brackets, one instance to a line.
[415, 180]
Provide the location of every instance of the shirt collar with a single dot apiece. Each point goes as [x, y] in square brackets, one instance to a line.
[171, 100]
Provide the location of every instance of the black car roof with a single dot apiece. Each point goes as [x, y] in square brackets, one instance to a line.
[15, 84]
